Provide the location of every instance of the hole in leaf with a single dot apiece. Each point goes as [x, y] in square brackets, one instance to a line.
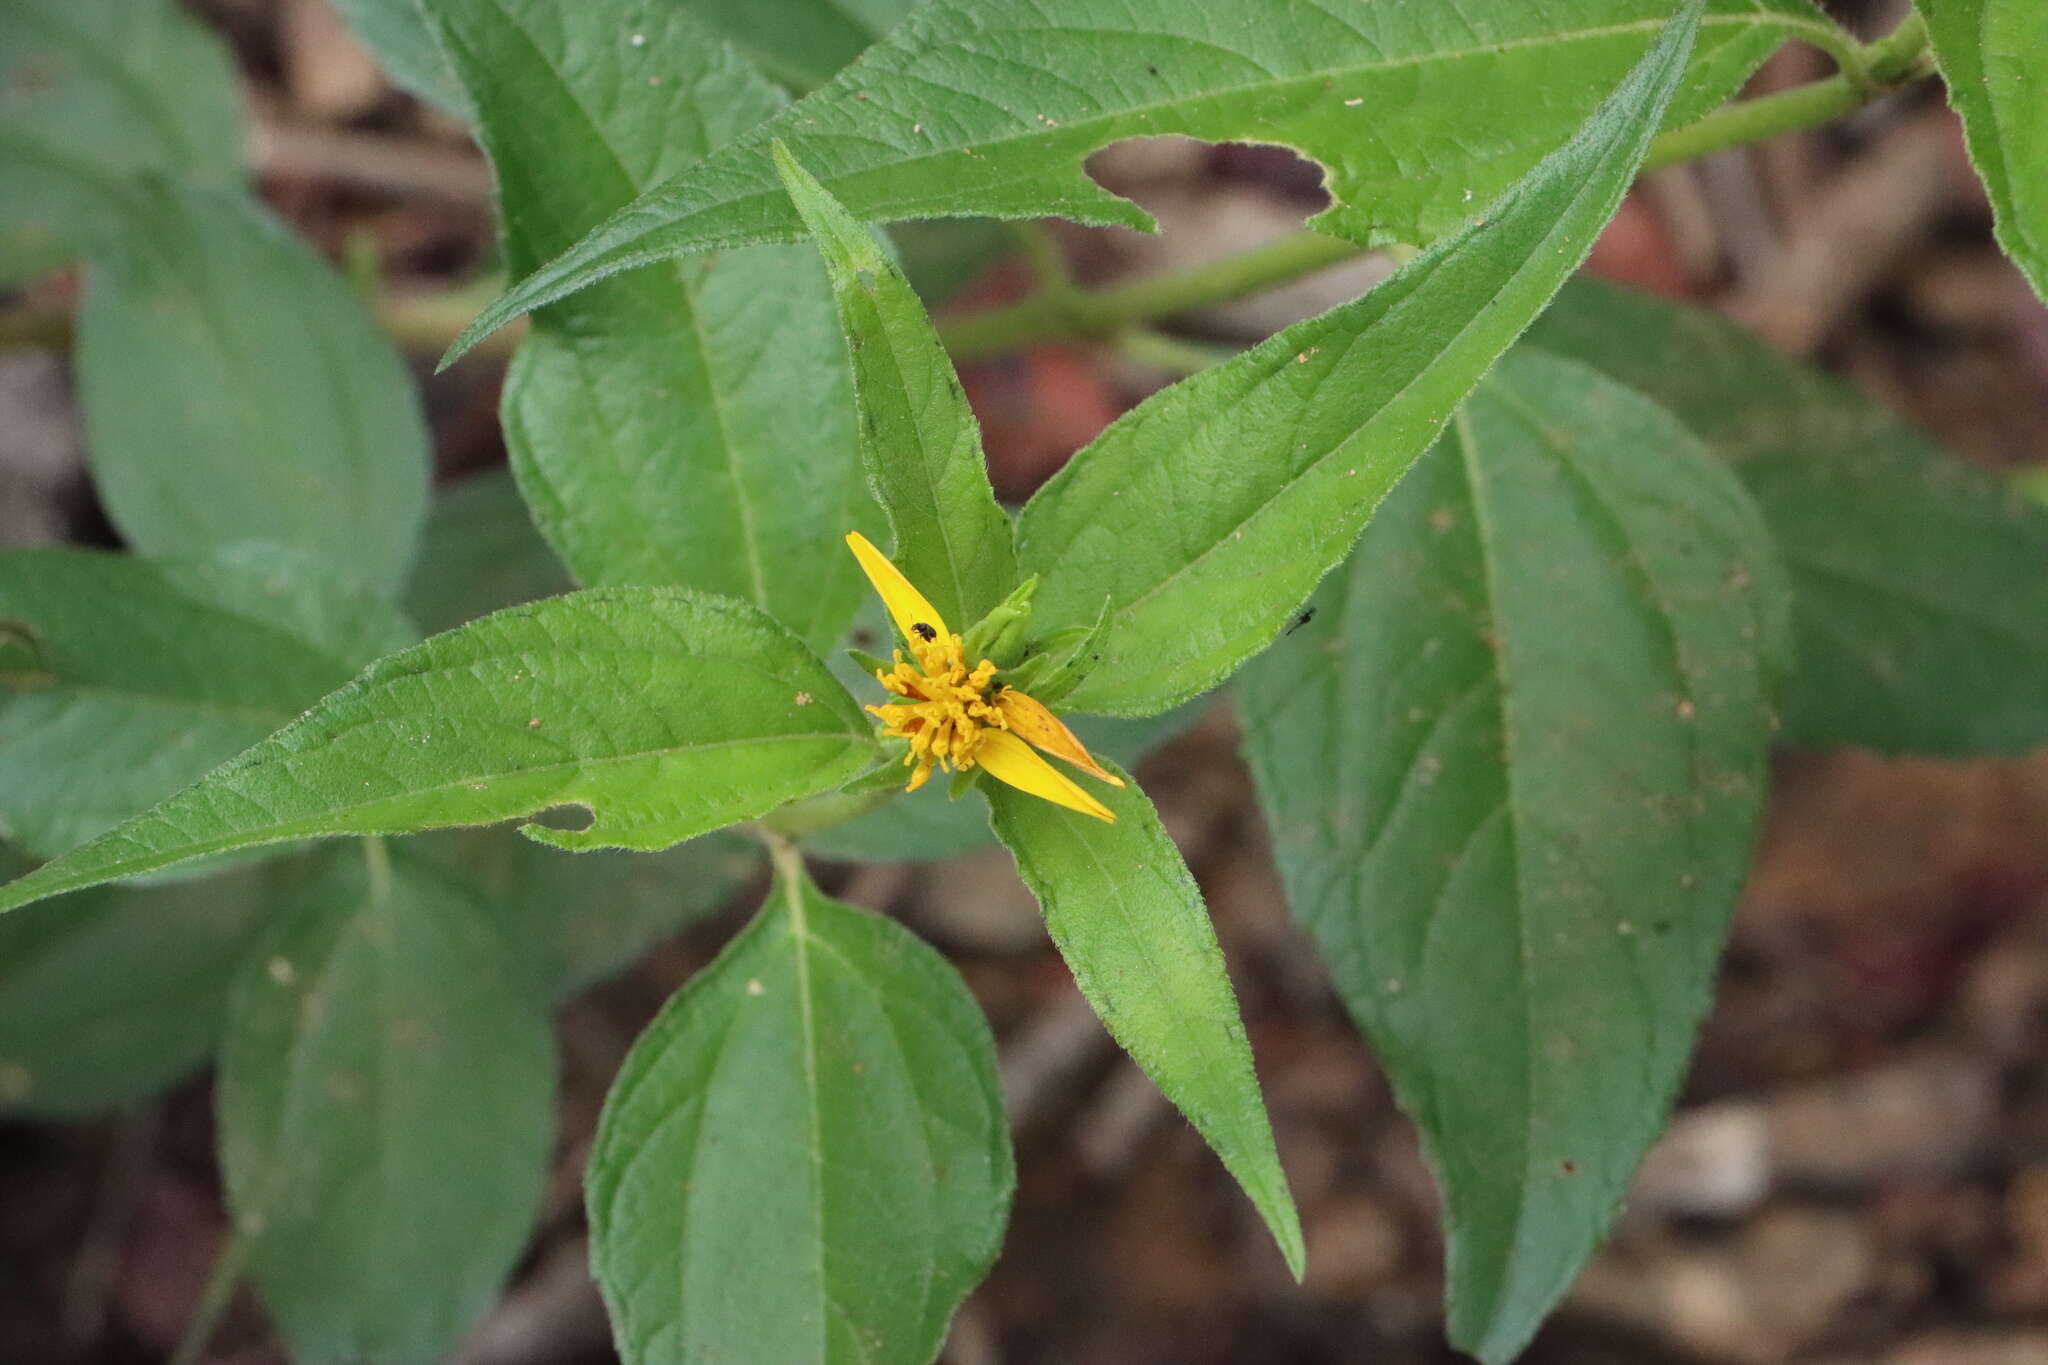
[573, 819]
[1215, 200]
[1213, 188]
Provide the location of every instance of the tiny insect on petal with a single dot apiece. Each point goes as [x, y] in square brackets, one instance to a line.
[907, 606]
[1009, 759]
[1029, 720]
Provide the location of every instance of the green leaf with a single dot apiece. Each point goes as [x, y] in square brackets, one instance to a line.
[986, 107]
[92, 91]
[918, 438]
[805, 1157]
[1207, 513]
[579, 918]
[1129, 920]
[802, 43]
[1994, 56]
[398, 33]
[1920, 608]
[693, 426]
[479, 552]
[127, 679]
[386, 1108]
[666, 713]
[1513, 766]
[234, 390]
[112, 994]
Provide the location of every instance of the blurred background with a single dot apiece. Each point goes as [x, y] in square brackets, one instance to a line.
[1858, 1171]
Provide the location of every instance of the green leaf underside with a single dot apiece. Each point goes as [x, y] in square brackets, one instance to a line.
[988, 107]
[919, 441]
[579, 918]
[479, 552]
[129, 679]
[802, 43]
[1126, 916]
[1207, 513]
[805, 1157]
[235, 389]
[113, 994]
[398, 33]
[666, 713]
[1920, 602]
[92, 91]
[386, 1110]
[694, 425]
[1513, 766]
[1994, 56]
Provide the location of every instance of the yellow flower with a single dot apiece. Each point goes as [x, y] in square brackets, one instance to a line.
[957, 717]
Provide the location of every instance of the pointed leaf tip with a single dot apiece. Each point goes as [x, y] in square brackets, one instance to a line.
[1128, 919]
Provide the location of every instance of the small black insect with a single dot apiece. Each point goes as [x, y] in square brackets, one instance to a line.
[925, 632]
[1300, 621]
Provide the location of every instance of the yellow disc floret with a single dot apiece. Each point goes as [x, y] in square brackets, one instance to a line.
[946, 706]
[957, 718]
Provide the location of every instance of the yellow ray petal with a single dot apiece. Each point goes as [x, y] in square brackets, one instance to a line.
[905, 603]
[1029, 720]
[1009, 759]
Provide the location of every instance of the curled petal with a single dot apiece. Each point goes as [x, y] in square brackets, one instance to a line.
[1028, 719]
[906, 604]
[1009, 759]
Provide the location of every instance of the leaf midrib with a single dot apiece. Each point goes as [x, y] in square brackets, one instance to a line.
[1512, 802]
[800, 942]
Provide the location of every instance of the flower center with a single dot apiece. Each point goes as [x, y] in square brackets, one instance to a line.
[945, 708]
